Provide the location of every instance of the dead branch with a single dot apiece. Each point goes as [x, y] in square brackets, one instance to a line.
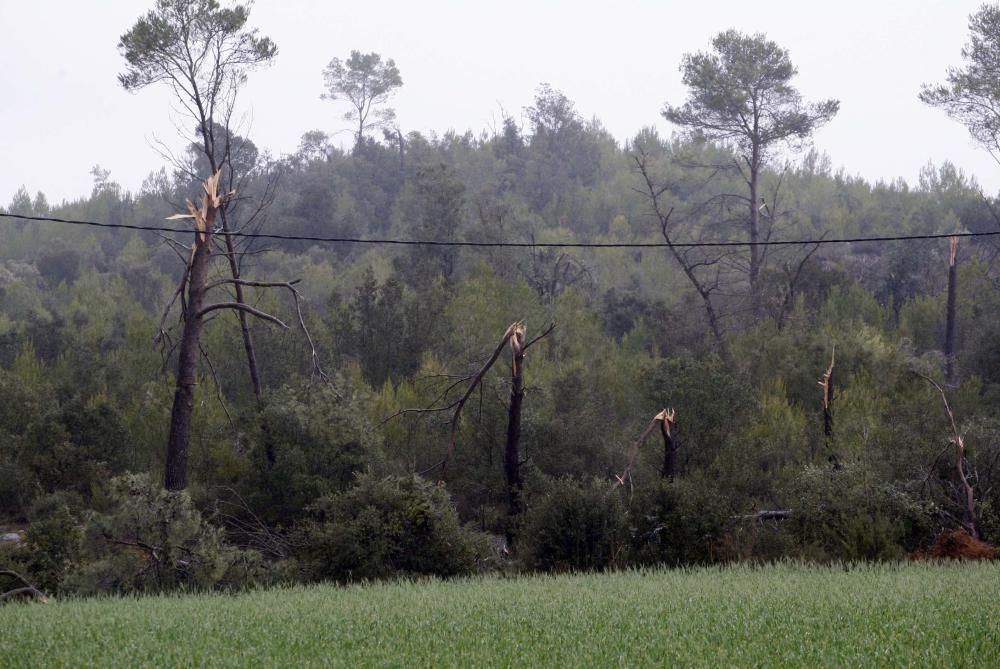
[705, 292]
[476, 379]
[967, 499]
[218, 386]
[296, 298]
[760, 516]
[178, 293]
[27, 588]
[240, 306]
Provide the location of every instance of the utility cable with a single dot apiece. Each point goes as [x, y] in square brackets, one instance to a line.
[560, 245]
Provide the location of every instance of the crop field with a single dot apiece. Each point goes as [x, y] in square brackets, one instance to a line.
[916, 615]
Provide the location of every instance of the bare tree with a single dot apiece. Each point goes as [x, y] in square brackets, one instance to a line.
[703, 270]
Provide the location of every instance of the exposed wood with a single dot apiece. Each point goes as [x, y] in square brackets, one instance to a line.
[667, 423]
[194, 312]
[512, 445]
[175, 475]
[514, 337]
[826, 383]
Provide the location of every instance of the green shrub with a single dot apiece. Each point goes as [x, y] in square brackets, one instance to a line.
[574, 525]
[309, 443]
[845, 513]
[383, 527]
[678, 523]
[54, 535]
[154, 540]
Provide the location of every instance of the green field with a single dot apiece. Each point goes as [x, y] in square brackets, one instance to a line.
[789, 615]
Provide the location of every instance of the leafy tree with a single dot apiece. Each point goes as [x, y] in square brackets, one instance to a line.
[741, 94]
[972, 93]
[203, 52]
[367, 83]
[434, 211]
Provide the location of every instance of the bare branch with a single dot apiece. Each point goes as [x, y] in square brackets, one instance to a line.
[239, 306]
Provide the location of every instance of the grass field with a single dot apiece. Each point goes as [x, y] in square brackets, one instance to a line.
[789, 615]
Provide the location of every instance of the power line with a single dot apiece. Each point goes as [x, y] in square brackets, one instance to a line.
[561, 245]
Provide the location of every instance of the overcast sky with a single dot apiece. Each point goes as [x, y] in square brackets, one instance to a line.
[462, 62]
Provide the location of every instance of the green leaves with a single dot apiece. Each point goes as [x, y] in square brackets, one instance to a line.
[742, 92]
[366, 82]
[971, 94]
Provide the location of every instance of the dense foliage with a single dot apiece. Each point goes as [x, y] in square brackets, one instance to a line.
[323, 475]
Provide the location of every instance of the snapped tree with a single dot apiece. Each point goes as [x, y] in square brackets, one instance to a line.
[194, 284]
[740, 94]
[203, 52]
[514, 338]
[667, 421]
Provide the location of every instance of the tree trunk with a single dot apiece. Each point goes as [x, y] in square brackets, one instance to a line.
[187, 367]
[248, 346]
[949, 332]
[669, 447]
[826, 383]
[754, 227]
[512, 447]
[969, 519]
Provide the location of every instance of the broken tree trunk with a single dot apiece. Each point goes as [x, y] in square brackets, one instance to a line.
[190, 347]
[667, 425]
[195, 280]
[667, 421]
[512, 446]
[826, 383]
[949, 332]
[514, 338]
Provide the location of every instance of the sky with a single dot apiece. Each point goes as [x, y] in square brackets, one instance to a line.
[465, 64]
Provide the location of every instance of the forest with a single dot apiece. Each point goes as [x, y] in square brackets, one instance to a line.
[266, 369]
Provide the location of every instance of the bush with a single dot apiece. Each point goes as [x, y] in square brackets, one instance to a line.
[154, 540]
[678, 523]
[574, 525]
[846, 514]
[53, 545]
[383, 527]
[312, 443]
